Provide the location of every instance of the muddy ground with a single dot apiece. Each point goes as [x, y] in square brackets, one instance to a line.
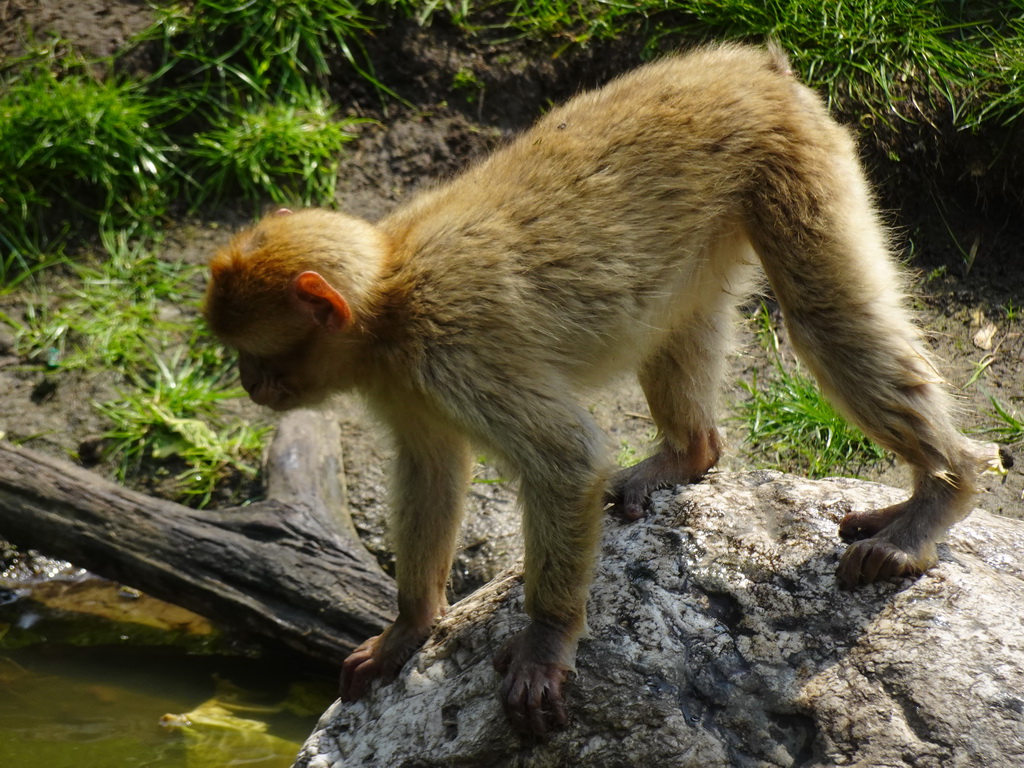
[944, 198]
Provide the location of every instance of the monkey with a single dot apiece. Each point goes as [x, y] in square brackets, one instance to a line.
[618, 234]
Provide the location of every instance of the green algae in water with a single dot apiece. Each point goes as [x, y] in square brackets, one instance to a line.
[100, 707]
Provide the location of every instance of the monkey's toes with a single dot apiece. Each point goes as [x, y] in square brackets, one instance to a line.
[358, 670]
[873, 560]
[856, 526]
[627, 497]
[631, 488]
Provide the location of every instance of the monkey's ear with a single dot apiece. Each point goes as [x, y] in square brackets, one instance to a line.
[328, 307]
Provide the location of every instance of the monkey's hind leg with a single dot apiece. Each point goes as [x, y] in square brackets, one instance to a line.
[681, 384]
[682, 380]
[828, 261]
[900, 540]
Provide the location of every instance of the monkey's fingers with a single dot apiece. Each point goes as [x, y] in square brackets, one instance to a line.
[358, 670]
[535, 664]
[631, 510]
[874, 560]
[531, 696]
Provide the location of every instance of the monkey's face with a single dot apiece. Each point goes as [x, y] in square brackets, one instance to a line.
[295, 378]
[291, 362]
[266, 381]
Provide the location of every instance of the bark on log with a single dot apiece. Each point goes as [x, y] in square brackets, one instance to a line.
[289, 568]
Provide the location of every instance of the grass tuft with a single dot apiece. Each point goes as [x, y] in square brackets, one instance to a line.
[896, 59]
[218, 52]
[792, 427]
[288, 151]
[113, 317]
[1008, 427]
[108, 315]
[74, 148]
[172, 414]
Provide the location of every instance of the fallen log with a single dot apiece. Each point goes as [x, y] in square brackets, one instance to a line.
[289, 569]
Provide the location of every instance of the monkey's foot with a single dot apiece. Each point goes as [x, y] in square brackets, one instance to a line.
[863, 525]
[536, 663]
[631, 487]
[381, 657]
[875, 559]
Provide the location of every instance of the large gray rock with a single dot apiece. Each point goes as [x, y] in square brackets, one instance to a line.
[718, 637]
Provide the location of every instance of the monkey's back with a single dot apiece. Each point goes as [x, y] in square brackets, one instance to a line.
[609, 209]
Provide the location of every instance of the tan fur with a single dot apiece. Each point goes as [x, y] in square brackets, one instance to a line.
[618, 233]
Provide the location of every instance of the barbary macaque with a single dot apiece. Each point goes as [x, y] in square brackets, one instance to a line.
[619, 232]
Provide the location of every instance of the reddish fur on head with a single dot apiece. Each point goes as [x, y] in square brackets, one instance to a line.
[262, 293]
[291, 272]
[248, 289]
[287, 294]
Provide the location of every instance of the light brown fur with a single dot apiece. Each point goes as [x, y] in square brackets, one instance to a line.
[618, 233]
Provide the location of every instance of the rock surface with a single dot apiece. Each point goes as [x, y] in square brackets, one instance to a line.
[718, 637]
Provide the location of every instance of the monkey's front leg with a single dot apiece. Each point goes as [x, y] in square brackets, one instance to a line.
[431, 472]
[562, 525]
[382, 656]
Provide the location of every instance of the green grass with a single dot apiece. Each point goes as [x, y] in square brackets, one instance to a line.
[219, 53]
[285, 151]
[880, 54]
[113, 316]
[73, 148]
[792, 427]
[1008, 427]
[238, 108]
[884, 54]
[107, 316]
[170, 414]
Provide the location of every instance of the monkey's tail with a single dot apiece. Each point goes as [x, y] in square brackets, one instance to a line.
[778, 59]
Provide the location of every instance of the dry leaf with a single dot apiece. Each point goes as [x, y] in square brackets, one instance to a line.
[983, 338]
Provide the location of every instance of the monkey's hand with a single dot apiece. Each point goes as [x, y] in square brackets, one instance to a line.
[536, 663]
[380, 657]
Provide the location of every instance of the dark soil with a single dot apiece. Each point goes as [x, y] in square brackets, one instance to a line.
[947, 198]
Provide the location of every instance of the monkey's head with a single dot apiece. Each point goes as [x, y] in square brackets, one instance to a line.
[288, 295]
